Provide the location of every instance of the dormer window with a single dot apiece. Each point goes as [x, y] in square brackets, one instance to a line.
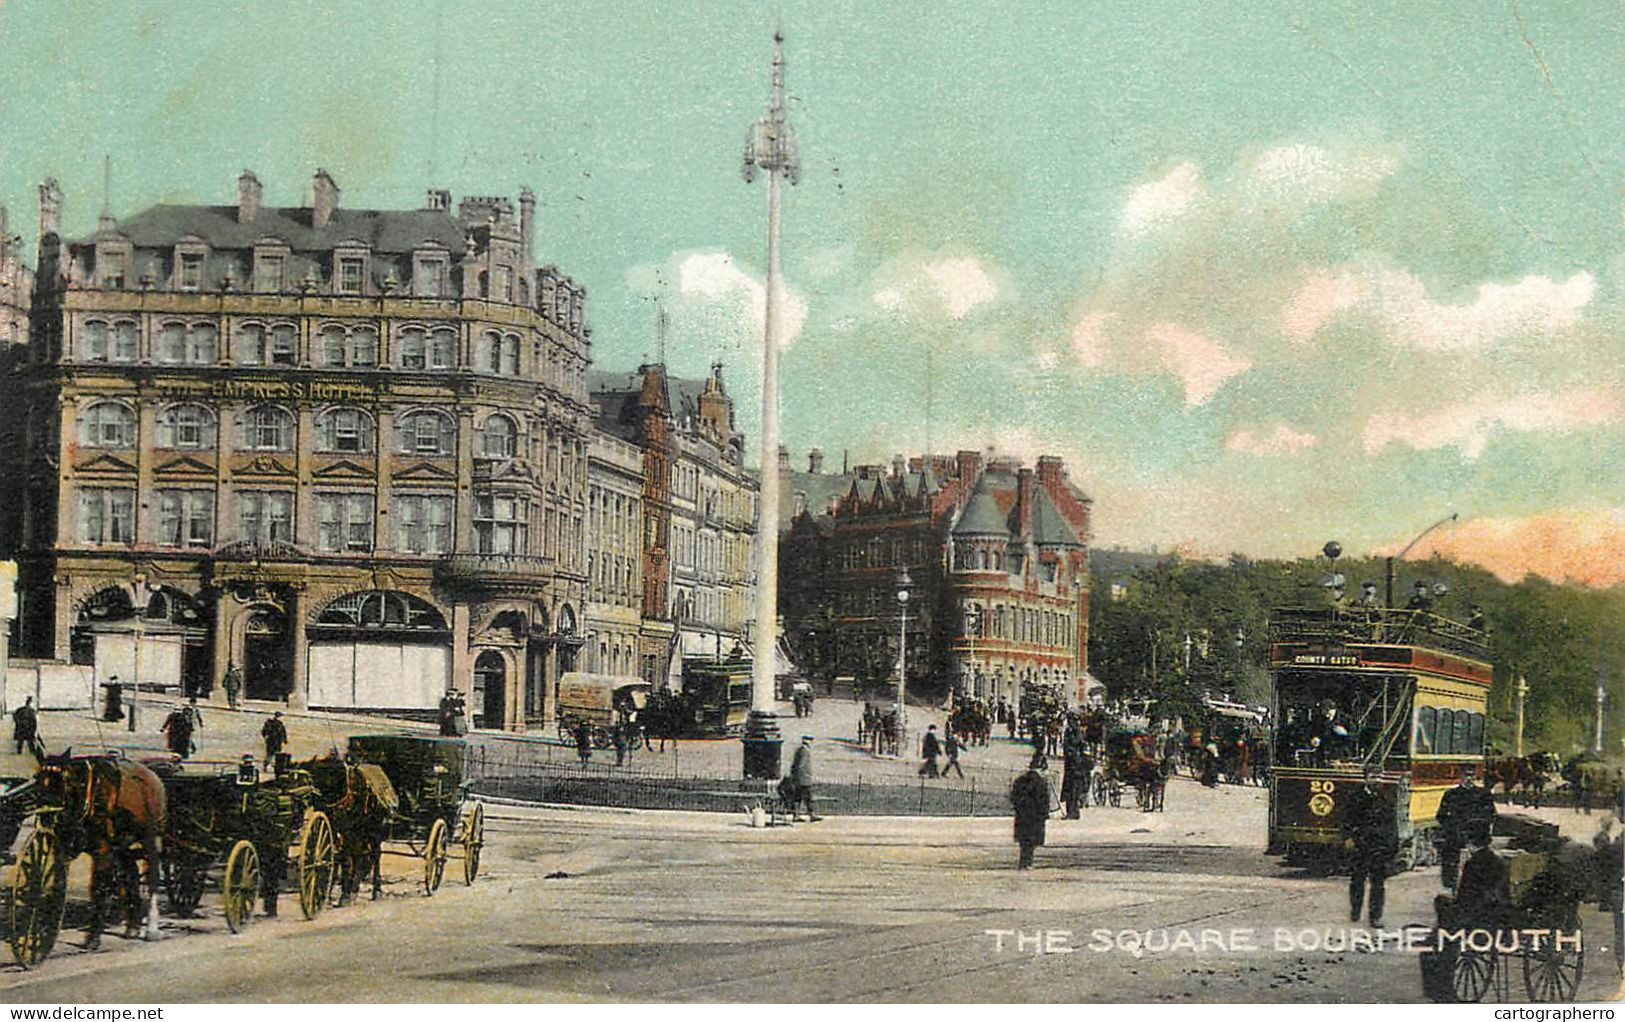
[270, 268]
[113, 265]
[350, 268]
[190, 253]
[429, 276]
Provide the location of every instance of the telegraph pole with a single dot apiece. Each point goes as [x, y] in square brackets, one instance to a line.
[769, 147]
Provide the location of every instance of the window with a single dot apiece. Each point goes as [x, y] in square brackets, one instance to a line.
[265, 518]
[108, 424]
[352, 269]
[443, 348]
[504, 288]
[107, 516]
[125, 341]
[270, 271]
[93, 346]
[430, 279]
[172, 342]
[413, 348]
[284, 345]
[423, 524]
[501, 437]
[257, 346]
[201, 347]
[363, 347]
[186, 427]
[426, 433]
[490, 355]
[115, 265]
[501, 524]
[251, 346]
[268, 428]
[332, 345]
[191, 271]
[344, 430]
[185, 517]
[344, 522]
[510, 356]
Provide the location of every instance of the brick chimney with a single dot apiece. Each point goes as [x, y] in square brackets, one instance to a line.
[324, 198]
[1050, 471]
[1024, 502]
[248, 197]
[970, 465]
[50, 207]
[438, 199]
[815, 461]
[527, 224]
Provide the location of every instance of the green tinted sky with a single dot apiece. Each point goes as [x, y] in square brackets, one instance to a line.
[1264, 273]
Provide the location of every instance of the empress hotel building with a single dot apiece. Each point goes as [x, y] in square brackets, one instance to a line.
[344, 450]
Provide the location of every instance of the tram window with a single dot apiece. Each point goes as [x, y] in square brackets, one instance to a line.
[1427, 718]
[1444, 738]
[1461, 741]
[1475, 733]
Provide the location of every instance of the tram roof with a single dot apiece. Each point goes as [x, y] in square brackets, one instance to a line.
[1393, 627]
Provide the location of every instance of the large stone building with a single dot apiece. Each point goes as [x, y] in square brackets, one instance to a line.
[699, 506]
[614, 555]
[16, 297]
[997, 567]
[343, 449]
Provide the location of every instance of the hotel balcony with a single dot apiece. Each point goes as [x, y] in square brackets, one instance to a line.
[504, 573]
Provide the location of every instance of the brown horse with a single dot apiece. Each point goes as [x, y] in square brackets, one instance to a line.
[108, 807]
[360, 801]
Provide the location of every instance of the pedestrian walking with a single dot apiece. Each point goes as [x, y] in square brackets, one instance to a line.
[1368, 822]
[617, 736]
[25, 726]
[1466, 812]
[584, 742]
[232, 683]
[275, 734]
[801, 778]
[193, 714]
[1075, 772]
[1029, 798]
[930, 748]
[953, 745]
[177, 728]
[448, 719]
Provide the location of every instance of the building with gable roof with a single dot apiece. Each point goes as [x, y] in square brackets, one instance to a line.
[996, 555]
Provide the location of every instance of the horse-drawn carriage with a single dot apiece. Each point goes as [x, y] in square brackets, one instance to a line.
[596, 701]
[1132, 758]
[433, 811]
[971, 721]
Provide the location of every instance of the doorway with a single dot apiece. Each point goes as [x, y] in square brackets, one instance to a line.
[490, 689]
[265, 654]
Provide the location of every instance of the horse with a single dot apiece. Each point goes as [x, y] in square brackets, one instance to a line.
[360, 801]
[107, 807]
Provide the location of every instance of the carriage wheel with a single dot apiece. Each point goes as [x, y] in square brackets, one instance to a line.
[39, 893]
[241, 885]
[184, 878]
[316, 864]
[1100, 791]
[1551, 973]
[434, 858]
[473, 841]
[1114, 793]
[1471, 975]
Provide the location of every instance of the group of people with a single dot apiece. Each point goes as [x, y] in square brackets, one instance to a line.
[453, 714]
[933, 748]
[801, 697]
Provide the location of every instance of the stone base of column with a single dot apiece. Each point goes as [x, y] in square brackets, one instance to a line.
[763, 746]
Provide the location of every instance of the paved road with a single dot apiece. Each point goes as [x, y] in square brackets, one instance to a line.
[699, 907]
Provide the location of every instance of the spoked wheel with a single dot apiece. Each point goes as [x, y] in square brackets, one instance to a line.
[1472, 975]
[1551, 973]
[1100, 791]
[184, 879]
[39, 893]
[473, 841]
[434, 858]
[316, 864]
[241, 885]
[1114, 794]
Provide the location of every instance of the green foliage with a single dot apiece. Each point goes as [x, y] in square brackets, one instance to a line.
[1560, 637]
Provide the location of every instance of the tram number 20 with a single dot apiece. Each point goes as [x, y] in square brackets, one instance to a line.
[1320, 787]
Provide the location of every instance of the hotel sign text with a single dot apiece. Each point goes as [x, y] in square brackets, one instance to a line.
[270, 390]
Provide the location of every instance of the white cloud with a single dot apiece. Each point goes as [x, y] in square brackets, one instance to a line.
[1468, 424]
[1160, 202]
[712, 292]
[953, 286]
[1201, 364]
[1310, 173]
[1399, 302]
[1089, 338]
[1282, 440]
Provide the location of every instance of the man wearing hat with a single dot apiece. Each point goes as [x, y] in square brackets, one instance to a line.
[801, 781]
[930, 748]
[1029, 798]
[275, 734]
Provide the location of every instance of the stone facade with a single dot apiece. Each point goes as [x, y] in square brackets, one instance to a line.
[344, 450]
[997, 561]
[614, 555]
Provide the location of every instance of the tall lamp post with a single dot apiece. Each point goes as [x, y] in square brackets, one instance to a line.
[1602, 697]
[1517, 738]
[903, 582]
[769, 147]
[973, 624]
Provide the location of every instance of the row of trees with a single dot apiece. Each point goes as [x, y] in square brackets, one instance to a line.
[1172, 628]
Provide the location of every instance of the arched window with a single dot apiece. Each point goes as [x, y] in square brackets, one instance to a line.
[202, 347]
[490, 352]
[331, 345]
[1444, 736]
[186, 427]
[251, 345]
[501, 437]
[268, 428]
[426, 433]
[443, 348]
[107, 424]
[413, 345]
[382, 609]
[510, 355]
[344, 430]
[172, 342]
[363, 348]
[259, 346]
[126, 341]
[93, 343]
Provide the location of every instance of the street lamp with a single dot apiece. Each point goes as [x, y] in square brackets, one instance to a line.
[973, 623]
[1602, 697]
[1523, 692]
[903, 582]
[1333, 581]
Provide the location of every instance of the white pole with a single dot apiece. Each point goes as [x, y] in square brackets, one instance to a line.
[767, 519]
[902, 662]
[1523, 690]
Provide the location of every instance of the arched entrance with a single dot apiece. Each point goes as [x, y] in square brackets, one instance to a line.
[490, 696]
[265, 654]
[379, 650]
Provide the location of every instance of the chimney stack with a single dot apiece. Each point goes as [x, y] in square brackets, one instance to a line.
[324, 198]
[527, 224]
[1050, 471]
[1024, 502]
[815, 461]
[439, 200]
[50, 208]
[248, 197]
[969, 466]
[898, 465]
[784, 458]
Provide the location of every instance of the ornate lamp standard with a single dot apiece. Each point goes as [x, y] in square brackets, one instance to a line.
[770, 147]
[903, 582]
[1523, 691]
[973, 623]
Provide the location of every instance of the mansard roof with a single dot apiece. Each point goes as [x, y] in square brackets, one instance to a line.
[383, 230]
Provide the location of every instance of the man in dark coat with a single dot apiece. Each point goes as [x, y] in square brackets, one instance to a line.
[233, 684]
[1368, 820]
[275, 734]
[801, 779]
[25, 725]
[178, 728]
[1466, 816]
[1075, 778]
[930, 748]
[1029, 797]
[951, 743]
[584, 742]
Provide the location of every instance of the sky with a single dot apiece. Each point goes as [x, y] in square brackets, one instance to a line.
[1265, 274]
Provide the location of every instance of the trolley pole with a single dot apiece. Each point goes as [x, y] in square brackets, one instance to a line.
[1522, 690]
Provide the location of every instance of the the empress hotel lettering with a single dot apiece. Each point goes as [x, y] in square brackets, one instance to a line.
[272, 390]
